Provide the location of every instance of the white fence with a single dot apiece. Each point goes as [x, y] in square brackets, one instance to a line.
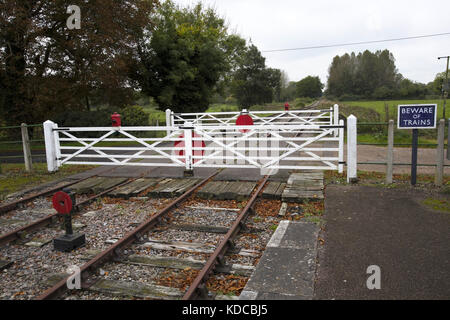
[301, 117]
[269, 145]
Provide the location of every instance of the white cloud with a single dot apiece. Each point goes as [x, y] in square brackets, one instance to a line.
[292, 24]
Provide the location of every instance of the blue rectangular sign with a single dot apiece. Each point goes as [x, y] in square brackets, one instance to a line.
[417, 116]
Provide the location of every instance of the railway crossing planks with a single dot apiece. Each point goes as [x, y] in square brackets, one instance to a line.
[108, 183]
[127, 288]
[274, 190]
[86, 185]
[169, 188]
[134, 188]
[304, 186]
[96, 184]
[179, 263]
[227, 190]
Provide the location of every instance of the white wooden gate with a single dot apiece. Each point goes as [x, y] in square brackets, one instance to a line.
[267, 145]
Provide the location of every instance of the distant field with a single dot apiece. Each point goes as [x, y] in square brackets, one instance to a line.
[377, 134]
[155, 114]
[378, 106]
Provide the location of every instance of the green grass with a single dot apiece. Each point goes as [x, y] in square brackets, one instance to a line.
[399, 138]
[14, 177]
[438, 204]
[378, 106]
[375, 112]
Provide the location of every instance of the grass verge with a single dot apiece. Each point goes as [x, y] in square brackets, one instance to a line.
[15, 178]
[438, 204]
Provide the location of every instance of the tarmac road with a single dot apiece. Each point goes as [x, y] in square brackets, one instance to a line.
[385, 227]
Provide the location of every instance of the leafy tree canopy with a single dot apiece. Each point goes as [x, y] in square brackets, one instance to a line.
[309, 87]
[46, 68]
[253, 83]
[186, 56]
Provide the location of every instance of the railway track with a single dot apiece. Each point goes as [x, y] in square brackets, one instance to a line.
[7, 236]
[191, 230]
[4, 208]
[167, 246]
[155, 249]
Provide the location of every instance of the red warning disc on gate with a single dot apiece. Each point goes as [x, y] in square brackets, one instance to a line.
[195, 144]
[62, 202]
[244, 120]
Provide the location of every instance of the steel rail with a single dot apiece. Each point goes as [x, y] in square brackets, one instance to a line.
[16, 234]
[198, 288]
[115, 249]
[11, 206]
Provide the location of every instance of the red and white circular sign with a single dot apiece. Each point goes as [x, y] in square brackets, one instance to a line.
[244, 120]
[62, 202]
[195, 144]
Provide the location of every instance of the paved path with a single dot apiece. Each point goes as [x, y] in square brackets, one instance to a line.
[385, 227]
[286, 269]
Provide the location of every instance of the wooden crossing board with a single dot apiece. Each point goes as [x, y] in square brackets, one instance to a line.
[273, 190]
[134, 188]
[227, 190]
[169, 188]
[304, 186]
[86, 185]
[107, 183]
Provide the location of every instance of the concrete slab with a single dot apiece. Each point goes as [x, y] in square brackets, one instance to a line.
[287, 268]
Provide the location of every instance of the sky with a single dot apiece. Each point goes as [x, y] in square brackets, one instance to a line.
[281, 24]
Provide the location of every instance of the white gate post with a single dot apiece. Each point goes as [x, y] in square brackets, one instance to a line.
[50, 146]
[336, 118]
[341, 147]
[168, 120]
[351, 149]
[188, 145]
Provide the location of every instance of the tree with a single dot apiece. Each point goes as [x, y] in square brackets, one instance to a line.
[361, 75]
[435, 87]
[46, 69]
[185, 57]
[290, 92]
[275, 83]
[309, 87]
[253, 83]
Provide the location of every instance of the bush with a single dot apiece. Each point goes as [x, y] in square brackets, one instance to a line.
[363, 115]
[350, 97]
[134, 116]
[97, 118]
